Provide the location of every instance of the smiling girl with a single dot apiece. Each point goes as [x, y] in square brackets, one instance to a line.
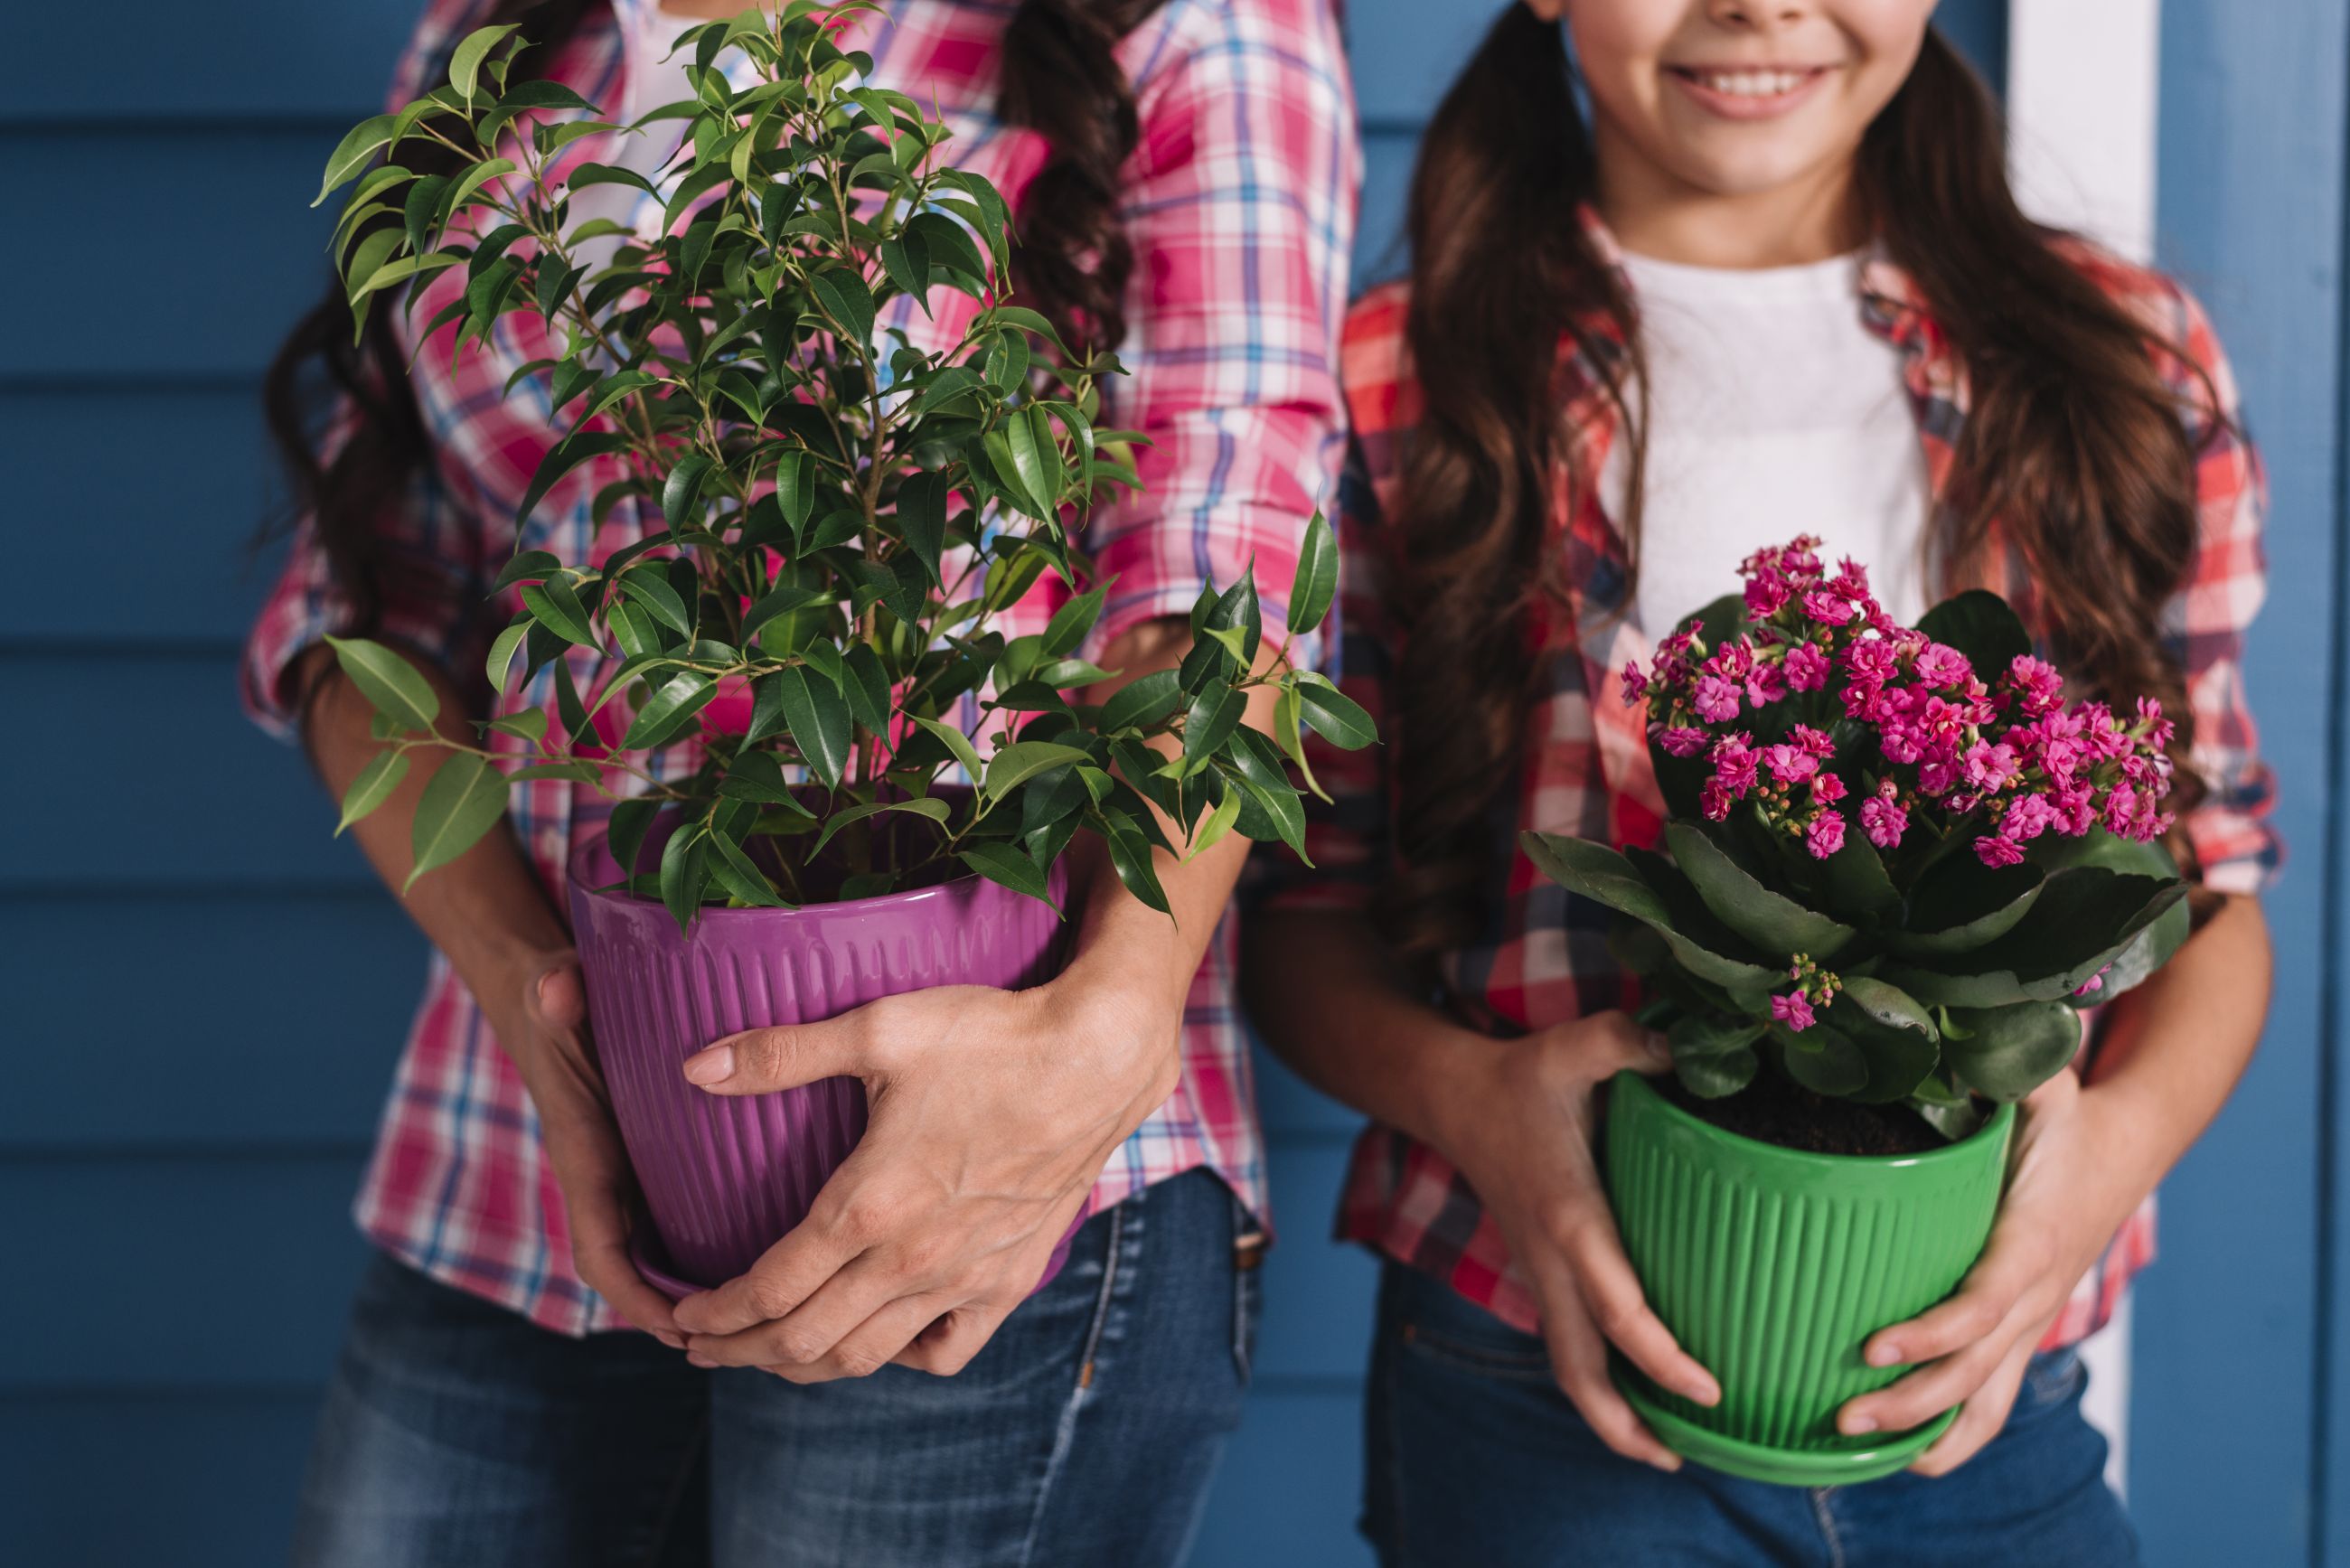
[1772, 283]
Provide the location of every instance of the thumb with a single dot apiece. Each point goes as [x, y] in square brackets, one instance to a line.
[1617, 1043]
[557, 995]
[761, 1061]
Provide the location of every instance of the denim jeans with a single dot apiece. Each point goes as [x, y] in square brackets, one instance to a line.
[1474, 1456]
[1085, 1433]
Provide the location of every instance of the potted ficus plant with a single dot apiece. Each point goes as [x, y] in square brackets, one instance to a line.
[1897, 862]
[772, 677]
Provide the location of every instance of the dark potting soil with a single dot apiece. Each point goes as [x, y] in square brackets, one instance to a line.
[1775, 1110]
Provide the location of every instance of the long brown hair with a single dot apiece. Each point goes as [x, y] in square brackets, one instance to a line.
[1060, 77]
[2074, 451]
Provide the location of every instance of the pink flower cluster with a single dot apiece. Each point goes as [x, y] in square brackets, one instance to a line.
[1928, 745]
[1814, 988]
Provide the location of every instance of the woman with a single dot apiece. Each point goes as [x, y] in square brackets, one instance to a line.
[1183, 175]
[1775, 285]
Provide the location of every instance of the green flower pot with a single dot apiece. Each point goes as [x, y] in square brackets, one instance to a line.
[1772, 1266]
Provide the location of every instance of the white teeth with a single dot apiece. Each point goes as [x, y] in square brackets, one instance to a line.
[1751, 84]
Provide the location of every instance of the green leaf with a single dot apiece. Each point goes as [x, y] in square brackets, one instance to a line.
[399, 693]
[684, 869]
[1600, 874]
[1983, 627]
[1894, 1033]
[847, 302]
[2084, 918]
[472, 180]
[630, 820]
[929, 807]
[866, 686]
[1712, 1035]
[1822, 1060]
[500, 664]
[818, 721]
[2008, 1051]
[561, 459]
[373, 786]
[734, 871]
[1854, 883]
[524, 723]
[1129, 856]
[557, 606]
[462, 801]
[1141, 702]
[684, 488]
[1776, 924]
[1219, 823]
[1022, 759]
[1960, 904]
[956, 742]
[1212, 717]
[648, 586]
[906, 260]
[922, 519]
[1716, 1077]
[1002, 863]
[363, 141]
[1256, 762]
[1340, 720]
[669, 711]
[1039, 473]
[465, 64]
[1317, 576]
[1071, 623]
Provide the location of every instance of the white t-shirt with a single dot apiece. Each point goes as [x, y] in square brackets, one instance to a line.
[1773, 412]
[648, 35]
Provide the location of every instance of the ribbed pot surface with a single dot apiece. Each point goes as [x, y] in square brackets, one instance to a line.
[1773, 1266]
[725, 1177]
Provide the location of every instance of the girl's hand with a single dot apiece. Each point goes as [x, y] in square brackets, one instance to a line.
[1521, 1133]
[2070, 1188]
[541, 1018]
[992, 1113]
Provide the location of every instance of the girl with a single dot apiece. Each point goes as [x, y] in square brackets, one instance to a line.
[1774, 284]
[1183, 172]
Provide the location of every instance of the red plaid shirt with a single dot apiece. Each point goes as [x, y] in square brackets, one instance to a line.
[1541, 958]
[1239, 202]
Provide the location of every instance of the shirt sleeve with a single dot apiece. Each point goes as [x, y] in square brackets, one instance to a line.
[429, 564]
[1242, 216]
[2231, 830]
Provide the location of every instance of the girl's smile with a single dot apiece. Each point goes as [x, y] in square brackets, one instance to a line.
[1748, 92]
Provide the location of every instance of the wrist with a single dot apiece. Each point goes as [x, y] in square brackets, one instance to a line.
[1461, 1078]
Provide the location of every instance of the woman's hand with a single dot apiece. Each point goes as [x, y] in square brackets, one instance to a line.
[992, 1113]
[2073, 1183]
[540, 1016]
[1521, 1132]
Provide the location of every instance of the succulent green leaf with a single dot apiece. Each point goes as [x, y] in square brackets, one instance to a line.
[2084, 918]
[1980, 625]
[2008, 1051]
[1776, 924]
[1960, 905]
[1600, 874]
[1823, 1059]
[1894, 1033]
[1715, 1077]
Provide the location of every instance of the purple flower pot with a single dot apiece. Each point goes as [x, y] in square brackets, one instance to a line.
[726, 1175]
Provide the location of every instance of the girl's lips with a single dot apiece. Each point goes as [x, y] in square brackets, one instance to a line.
[1749, 94]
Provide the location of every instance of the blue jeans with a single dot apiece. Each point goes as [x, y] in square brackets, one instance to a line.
[1085, 1433]
[1474, 1456]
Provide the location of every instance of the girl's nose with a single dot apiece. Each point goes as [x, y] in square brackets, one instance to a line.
[1758, 13]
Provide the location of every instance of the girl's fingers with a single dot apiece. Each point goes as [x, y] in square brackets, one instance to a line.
[806, 1334]
[1620, 1311]
[1579, 1358]
[1983, 1302]
[947, 1346]
[1984, 1416]
[1932, 1389]
[871, 1345]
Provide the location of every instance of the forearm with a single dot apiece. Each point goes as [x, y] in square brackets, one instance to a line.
[2176, 1045]
[486, 910]
[1324, 990]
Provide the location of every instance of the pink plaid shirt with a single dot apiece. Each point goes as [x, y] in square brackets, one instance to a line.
[1542, 957]
[1239, 201]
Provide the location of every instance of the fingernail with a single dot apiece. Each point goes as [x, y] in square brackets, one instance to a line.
[1857, 1425]
[670, 1338]
[1703, 1393]
[699, 1359]
[1883, 1354]
[715, 1065]
[1659, 1046]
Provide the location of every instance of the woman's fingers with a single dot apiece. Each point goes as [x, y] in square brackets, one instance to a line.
[595, 1199]
[872, 1345]
[1987, 1299]
[948, 1345]
[1579, 1358]
[806, 1334]
[1932, 1389]
[1984, 1416]
[1620, 1311]
[788, 1273]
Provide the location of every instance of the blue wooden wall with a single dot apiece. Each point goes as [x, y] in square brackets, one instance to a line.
[204, 993]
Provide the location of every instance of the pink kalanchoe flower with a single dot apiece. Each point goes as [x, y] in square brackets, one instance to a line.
[1988, 767]
[1814, 741]
[1681, 741]
[1829, 607]
[1938, 778]
[1997, 852]
[1765, 683]
[1734, 763]
[1793, 1009]
[1716, 699]
[2036, 683]
[1732, 659]
[1824, 837]
[1872, 658]
[1882, 820]
[1789, 765]
[1806, 667]
[1942, 667]
[1826, 788]
[1713, 800]
[1635, 684]
[1765, 595]
[2027, 817]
